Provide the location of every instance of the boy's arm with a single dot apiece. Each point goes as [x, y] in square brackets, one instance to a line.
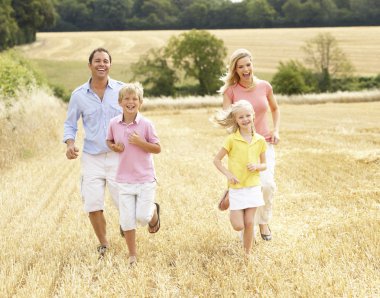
[135, 139]
[218, 163]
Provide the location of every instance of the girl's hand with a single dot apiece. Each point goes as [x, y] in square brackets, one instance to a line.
[232, 179]
[253, 167]
[119, 147]
[275, 138]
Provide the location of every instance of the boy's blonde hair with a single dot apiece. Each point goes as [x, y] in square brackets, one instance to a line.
[231, 77]
[133, 88]
[226, 118]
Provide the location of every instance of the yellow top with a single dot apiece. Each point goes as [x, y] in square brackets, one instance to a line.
[240, 153]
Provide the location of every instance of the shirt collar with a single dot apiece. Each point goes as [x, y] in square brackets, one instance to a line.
[137, 119]
[238, 136]
[110, 83]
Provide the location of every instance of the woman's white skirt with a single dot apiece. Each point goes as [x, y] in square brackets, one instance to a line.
[248, 197]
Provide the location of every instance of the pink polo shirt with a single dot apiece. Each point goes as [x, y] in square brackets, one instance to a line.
[135, 165]
[258, 97]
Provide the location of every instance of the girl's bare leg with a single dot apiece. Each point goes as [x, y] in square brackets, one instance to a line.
[249, 215]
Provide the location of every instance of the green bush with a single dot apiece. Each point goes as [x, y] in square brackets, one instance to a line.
[293, 78]
[16, 74]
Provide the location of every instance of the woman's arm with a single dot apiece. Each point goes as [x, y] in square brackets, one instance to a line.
[227, 102]
[275, 118]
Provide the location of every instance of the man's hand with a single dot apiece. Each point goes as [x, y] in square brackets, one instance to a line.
[72, 150]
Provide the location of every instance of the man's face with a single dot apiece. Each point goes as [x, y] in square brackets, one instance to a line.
[100, 65]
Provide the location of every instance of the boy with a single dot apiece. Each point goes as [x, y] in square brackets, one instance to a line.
[134, 137]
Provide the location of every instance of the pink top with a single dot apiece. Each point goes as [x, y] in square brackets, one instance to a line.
[135, 165]
[258, 97]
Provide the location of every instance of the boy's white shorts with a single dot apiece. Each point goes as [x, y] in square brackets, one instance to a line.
[98, 171]
[136, 204]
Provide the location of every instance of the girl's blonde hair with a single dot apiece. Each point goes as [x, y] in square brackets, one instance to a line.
[227, 118]
[231, 77]
[134, 88]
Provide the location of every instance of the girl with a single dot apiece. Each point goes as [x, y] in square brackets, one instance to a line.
[246, 158]
[239, 82]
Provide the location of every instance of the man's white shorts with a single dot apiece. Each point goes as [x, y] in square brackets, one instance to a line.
[98, 171]
[136, 202]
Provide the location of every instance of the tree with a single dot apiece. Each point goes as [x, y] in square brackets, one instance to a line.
[154, 73]
[8, 25]
[260, 12]
[200, 55]
[32, 15]
[325, 57]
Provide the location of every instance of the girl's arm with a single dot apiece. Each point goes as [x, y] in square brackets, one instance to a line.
[275, 118]
[262, 166]
[218, 163]
[227, 102]
[135, 139]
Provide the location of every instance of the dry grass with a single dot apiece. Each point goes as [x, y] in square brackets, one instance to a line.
[28, 126]
[215, 100]
[325, 226]
[269, 46]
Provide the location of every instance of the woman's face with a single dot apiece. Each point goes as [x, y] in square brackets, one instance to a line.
[244, 69]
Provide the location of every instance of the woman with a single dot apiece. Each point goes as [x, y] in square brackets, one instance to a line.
[240, 83]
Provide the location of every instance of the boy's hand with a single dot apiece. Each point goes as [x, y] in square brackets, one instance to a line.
[134, 139]
[119, 147]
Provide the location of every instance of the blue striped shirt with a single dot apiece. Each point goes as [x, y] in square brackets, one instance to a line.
[96, 115]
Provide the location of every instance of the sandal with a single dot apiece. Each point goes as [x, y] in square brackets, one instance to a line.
[157, 225]
[224, 202]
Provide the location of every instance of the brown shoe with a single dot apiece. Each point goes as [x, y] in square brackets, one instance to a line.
[224, 202]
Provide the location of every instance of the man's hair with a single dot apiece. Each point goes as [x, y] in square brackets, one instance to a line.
[98, 50]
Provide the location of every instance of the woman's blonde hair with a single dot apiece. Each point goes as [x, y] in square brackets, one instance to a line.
[134, 88]
[231, 77]
[227, 118]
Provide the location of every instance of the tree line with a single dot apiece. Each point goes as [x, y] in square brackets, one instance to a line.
[21, 19]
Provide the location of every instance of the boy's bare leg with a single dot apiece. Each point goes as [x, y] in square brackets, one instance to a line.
[130, 238]
[99, 225]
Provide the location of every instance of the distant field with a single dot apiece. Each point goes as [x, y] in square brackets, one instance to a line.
[63, 56]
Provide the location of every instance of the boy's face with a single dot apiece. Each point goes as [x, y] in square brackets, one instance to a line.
[130, 103]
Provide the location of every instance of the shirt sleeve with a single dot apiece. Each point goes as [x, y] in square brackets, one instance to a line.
[230, 93]
[227, 144]
[152, 136]
[263, 146]
[70, 126]
[110, 136]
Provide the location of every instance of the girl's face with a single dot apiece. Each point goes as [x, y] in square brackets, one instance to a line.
[244, 69]
[130, 103]
[244, 118]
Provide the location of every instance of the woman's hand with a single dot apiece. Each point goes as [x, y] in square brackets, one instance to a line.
[275, 138]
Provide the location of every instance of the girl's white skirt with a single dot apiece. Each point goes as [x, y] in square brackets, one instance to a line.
[248, 197]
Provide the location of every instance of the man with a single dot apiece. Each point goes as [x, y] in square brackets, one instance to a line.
[96, 102]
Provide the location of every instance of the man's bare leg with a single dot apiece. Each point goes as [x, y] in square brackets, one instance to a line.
[99, 224]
